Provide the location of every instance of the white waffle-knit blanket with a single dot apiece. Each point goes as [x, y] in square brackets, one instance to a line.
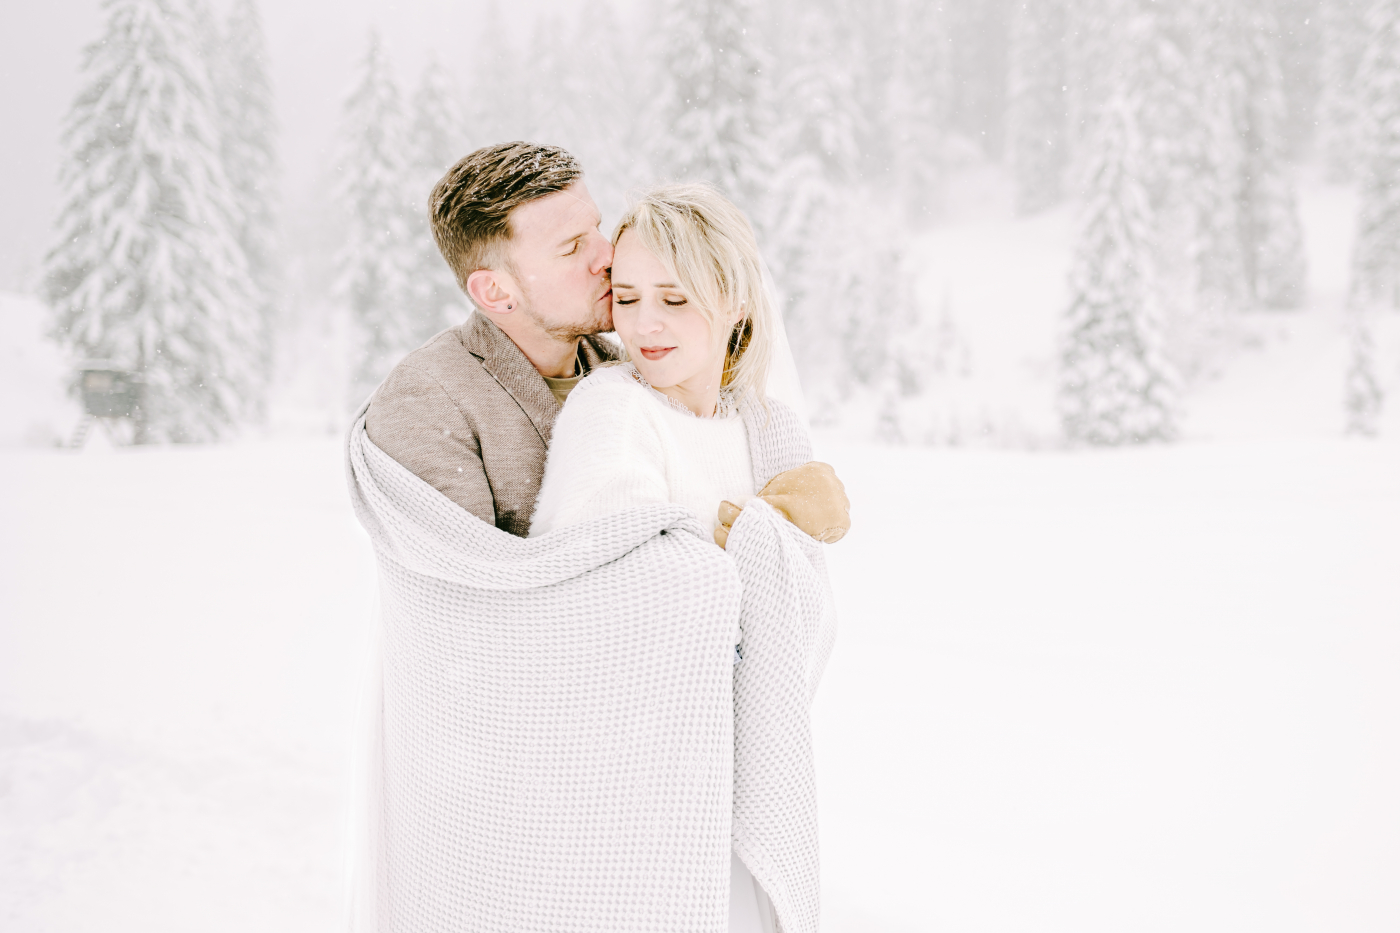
[564, 742]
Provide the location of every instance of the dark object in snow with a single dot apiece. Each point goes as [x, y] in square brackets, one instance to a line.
[109, 391]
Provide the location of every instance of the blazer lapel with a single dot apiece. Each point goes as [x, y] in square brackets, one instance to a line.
[517, 375]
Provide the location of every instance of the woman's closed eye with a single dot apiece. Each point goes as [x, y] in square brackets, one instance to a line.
[632, 299]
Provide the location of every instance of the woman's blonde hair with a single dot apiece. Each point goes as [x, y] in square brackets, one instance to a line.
[707, 243]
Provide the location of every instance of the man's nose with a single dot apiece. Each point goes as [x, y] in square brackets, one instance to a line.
[602, 255]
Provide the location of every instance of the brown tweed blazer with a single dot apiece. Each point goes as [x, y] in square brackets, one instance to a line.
[471, 416]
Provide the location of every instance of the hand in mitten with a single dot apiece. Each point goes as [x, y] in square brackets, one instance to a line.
[810, 496]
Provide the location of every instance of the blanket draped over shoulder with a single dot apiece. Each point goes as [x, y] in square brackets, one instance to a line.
[563, 739]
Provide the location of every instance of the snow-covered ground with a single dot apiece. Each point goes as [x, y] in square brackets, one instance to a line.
[177, 664]
[1144, 690]
[1134, 690]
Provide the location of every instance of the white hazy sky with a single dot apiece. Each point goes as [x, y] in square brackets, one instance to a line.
[313, 45]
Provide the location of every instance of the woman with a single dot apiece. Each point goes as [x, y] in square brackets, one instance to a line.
[691, 309]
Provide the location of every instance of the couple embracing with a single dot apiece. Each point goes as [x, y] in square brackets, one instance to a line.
[603, 603]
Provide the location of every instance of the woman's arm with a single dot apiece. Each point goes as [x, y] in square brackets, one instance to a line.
[606, 455]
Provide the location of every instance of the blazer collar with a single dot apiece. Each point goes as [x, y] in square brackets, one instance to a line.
[508, 366]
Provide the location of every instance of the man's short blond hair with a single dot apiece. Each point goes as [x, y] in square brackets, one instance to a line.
[470, 207]
[708, 245]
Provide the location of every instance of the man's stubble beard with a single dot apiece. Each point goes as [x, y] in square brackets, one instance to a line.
[600, 322]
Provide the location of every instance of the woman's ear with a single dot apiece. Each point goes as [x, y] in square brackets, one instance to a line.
[492, 291]
[741, 314]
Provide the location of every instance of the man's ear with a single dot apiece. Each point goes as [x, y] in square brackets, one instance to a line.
[492, 291]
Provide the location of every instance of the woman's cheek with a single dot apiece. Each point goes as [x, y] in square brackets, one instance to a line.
[622, 322]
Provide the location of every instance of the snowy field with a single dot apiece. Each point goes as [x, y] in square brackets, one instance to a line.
[1142, 690]
[1148, 690]
[1131, 690]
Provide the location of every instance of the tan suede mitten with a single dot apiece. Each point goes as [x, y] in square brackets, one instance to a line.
[810, 496]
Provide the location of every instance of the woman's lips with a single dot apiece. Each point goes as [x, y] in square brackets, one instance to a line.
[655, 353]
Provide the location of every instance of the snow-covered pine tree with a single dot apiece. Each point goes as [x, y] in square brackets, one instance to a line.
[1343, 40]
[1036, 132]
[1092, 41]
[582, 100]
[1300, 63]
[1115, 384]
[607, 121]
[1217, 163]
[979, 39]
[1364, 396]
[715, 101]
[147, 271]
[877, 339]
[1375, 264]
[436, 141]
[375, 261]
[917, 101]
[545, 111]
[821, 69]
[1275, 262]
[860, 143]
[1375, 273]
[815, 140]
[1251, 197]
[437, 132]
[250, 154]
[1155, 64]
[1111, 44]
[497, 98]
[852, 77]
[822, 203]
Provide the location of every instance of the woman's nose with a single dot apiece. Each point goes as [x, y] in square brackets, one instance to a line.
[649, 320]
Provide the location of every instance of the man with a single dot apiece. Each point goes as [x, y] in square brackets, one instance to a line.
[470, 412]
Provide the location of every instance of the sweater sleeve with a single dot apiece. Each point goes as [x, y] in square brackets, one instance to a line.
[413, 419]
[606, 455]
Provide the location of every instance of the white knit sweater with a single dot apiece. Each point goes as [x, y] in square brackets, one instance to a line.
[619, 443]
